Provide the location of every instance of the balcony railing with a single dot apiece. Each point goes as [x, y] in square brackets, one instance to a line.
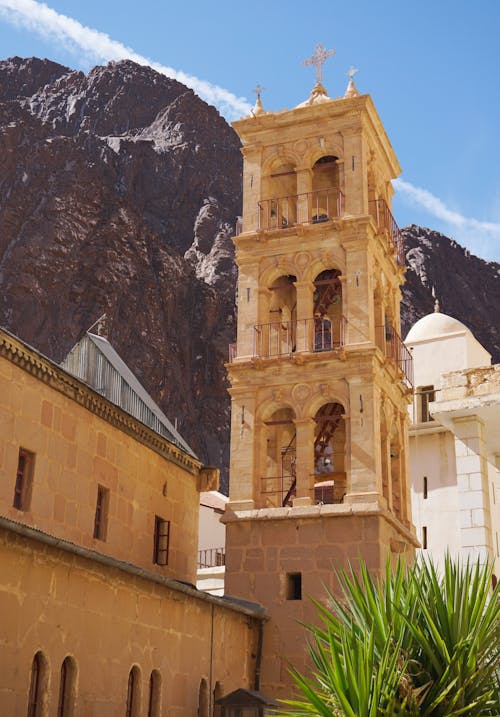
[280, 490]
[308, 207]
[211, 557]
[313, 335]
[395, 349]
[232, 352]
[386, 222]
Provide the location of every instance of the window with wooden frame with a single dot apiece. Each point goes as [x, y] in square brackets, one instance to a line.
[24, 480]
[426, 395]
[101, 513]
[294, 586]
[161, 541]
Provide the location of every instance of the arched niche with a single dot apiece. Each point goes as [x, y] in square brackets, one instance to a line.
[38, 694]
[133, 702]
[67, 688]
[203, 699]
[278, 208]
[325, 201]
[154, 696]
[278, 334]
[330, 484]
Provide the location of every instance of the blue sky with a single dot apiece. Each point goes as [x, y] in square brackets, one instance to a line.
[432, 68]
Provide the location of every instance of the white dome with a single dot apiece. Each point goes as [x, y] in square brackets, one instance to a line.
[435, 326]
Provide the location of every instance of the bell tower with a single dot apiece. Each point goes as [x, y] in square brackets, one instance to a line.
[320, 379]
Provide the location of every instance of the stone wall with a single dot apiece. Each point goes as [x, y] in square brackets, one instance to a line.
[109, 619]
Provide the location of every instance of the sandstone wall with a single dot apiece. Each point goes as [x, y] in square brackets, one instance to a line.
[75, 451]
[108, 620]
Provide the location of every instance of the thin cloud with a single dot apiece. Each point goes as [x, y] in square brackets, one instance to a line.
[41, 19]
[437, 208]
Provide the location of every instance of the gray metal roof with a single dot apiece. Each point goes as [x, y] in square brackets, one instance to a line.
[95, 361]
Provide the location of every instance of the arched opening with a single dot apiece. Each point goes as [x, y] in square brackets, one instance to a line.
[329, 454]
[326, 195]
[203, 706]
[279, 476]
[37, 696]
[154, 697]
[218, 693]
[278, 336]
[280, 209]
[328, 331]
[133, 706]
[67, 688]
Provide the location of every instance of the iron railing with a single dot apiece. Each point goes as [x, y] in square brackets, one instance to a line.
[385, 222]
[317, 334]
[322, 205]
[276, 489]
[394, 348]
[211, 558]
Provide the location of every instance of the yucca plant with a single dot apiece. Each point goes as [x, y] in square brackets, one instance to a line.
[415, 643]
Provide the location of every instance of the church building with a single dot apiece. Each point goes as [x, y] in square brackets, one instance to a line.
[320, 378]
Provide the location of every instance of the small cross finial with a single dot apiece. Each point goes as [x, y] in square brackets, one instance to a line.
[318, 59]
[351, 72]
[258, 90]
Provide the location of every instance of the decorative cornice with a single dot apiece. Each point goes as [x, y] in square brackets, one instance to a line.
[43, 369]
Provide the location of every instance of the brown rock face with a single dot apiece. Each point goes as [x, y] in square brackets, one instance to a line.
[468, 288]
[119, 191]
[106, 181]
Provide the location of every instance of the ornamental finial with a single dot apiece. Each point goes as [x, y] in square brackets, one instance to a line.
[318, 59]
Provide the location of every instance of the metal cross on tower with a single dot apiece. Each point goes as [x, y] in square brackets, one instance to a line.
[258, 90]
[318, 59]
[351, 72]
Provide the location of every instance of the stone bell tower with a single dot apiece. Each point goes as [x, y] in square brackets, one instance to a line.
[320, 379]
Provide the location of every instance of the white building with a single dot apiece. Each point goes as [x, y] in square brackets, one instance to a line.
[454, 441]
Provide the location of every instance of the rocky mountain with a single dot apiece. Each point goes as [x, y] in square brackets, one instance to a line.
[467, 288]
[119, 191]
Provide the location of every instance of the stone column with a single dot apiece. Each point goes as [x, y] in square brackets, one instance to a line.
[304, 187]
[357, 300]
[251, 187]
[305, 307]
[355, 174]
[362, 481]
[304, 464]
[248, 303]
[472, 483]
[242, 467]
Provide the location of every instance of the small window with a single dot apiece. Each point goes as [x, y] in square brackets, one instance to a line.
[425, 395]
[425, 488]
[424, 537]
[133, 692]
[38, 685]
[154, 701]
[67, 688]
[24, 480]
[294, 586]
[101, 513]
[161, 541]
